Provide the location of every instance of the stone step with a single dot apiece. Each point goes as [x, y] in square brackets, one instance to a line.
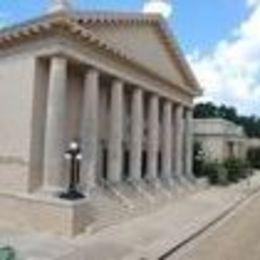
[108, 209]
[114, 205]
[137, 195]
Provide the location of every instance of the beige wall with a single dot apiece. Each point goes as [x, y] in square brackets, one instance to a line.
[16, 95]
[217, 148]
[215, 136]
[212, 147]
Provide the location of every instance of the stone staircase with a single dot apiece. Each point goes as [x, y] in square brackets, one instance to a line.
[115, 204]
[108, 208]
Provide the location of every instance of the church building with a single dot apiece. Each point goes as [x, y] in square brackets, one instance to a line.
[117, 86]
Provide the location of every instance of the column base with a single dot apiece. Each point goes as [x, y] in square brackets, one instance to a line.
[167, 182]
[141, 187]
[191, 178]
[118, 190]
[153, 183]
[185, 183]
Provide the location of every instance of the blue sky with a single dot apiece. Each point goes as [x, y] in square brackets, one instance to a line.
[219, 38]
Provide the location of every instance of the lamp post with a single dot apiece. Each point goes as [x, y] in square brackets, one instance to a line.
[73, 155]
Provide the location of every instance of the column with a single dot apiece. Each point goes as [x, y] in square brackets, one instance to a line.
[103, 119]
[179, 141]
[136, 136]
[153, 137]
[54, 143]
[167, 141]
[115, 133]
[89, 129]
[189, 144]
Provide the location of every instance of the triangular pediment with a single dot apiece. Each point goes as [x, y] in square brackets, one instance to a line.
[147, 44]
[142, 40]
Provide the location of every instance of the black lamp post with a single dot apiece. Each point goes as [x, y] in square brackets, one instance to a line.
[73, 155]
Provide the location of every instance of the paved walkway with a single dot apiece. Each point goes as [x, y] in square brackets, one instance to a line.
[234, 238]
[147, 237]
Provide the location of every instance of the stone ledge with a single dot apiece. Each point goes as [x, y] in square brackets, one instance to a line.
[48, 215]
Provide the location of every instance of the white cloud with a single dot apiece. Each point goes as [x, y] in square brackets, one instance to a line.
[252, 3]
[231, 72]
[162, 7]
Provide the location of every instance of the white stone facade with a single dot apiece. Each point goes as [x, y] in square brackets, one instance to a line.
[220, 139]
[62, 81]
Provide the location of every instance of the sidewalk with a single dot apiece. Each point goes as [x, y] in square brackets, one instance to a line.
[147, 237]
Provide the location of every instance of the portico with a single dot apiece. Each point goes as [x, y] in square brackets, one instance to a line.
[154, 134]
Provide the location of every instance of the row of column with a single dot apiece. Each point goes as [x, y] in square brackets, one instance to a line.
[175, 159]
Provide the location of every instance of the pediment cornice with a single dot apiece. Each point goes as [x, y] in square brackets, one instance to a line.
[68, 23]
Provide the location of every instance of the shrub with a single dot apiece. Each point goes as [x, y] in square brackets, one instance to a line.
[236, 169]
[216, 173]
[253, 156]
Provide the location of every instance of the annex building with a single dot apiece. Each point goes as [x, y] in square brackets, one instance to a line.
[220, 139]
[115, 83]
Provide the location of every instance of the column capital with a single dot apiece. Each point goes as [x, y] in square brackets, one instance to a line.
[189, 111]
[168, 103]
[117, 81]
[92, 70]
[179, 108]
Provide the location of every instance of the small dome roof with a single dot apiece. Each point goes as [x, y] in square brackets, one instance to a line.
[59, 5]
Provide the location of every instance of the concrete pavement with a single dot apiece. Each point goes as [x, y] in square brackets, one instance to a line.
[146, 237]
[237, 237]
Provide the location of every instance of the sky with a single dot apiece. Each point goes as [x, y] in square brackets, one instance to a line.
[220, 38]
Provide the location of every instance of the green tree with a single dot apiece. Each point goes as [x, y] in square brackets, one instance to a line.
[205, 110]
[251, 124]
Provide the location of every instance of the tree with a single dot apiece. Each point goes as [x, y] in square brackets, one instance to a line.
[228, 113]
[205, 110]
[251, 124]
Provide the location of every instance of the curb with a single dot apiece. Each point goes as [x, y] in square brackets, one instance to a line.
[205, 228]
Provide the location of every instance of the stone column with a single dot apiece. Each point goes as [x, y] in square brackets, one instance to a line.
[179, 141]
[167, 141]
[115, 141]
[189, 144]
[136, 137]
[90, 129]
[54, 143]
[153, 138]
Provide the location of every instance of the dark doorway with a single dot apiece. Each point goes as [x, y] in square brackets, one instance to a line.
[104, 164]
[126, 164]
[159, 164]
[144, 164]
